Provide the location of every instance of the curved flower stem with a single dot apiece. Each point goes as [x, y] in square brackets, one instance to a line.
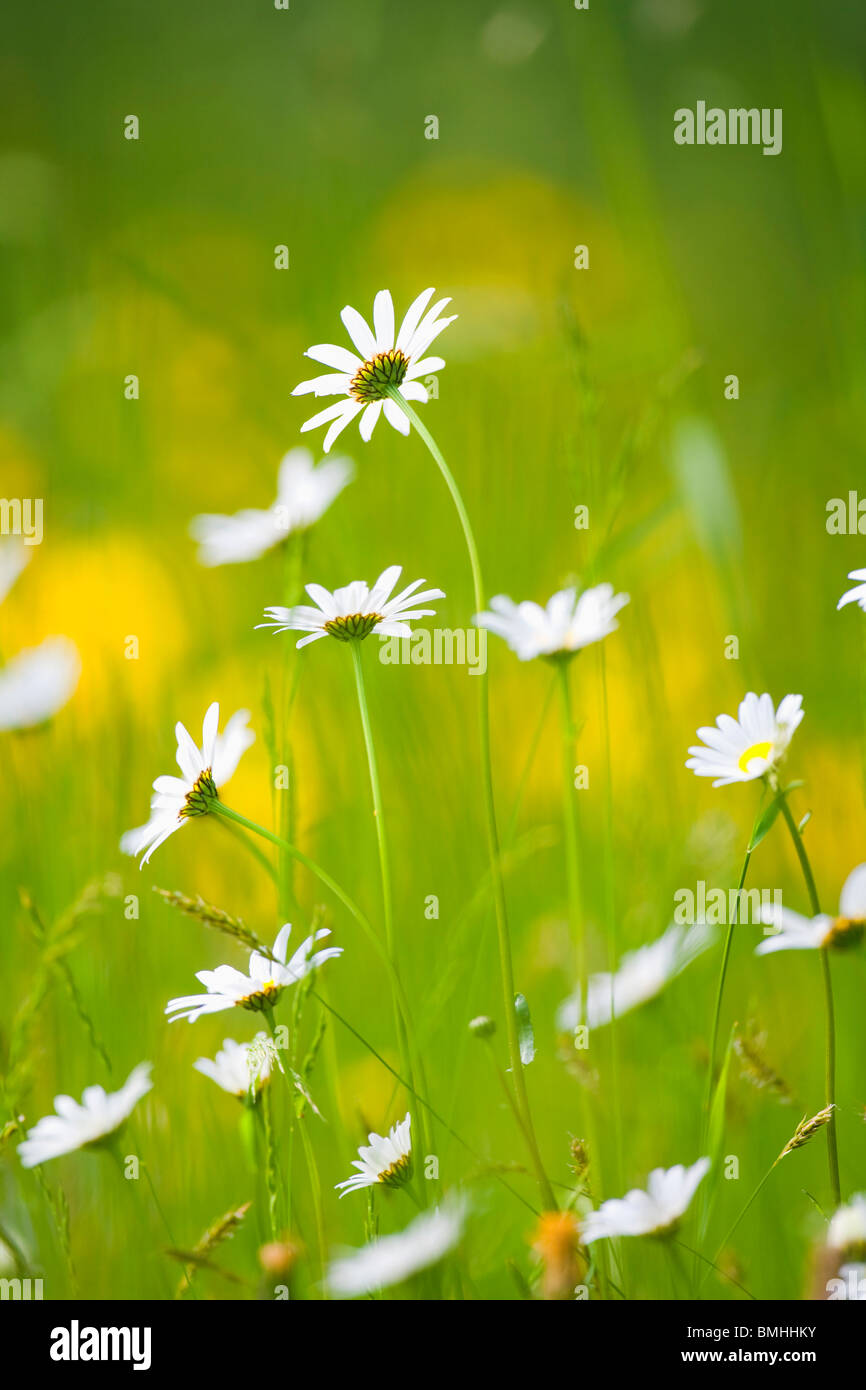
[830, 1052]
[503, 935]
[219, 808]
[401, 1023]
[720, 990]
[261, 859]
[572, 849]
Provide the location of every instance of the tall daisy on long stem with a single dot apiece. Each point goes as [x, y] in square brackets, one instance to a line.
[350, 614]
[381, 377]
[747, 749]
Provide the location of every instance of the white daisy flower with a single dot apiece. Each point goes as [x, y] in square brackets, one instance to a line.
[177, 799]
[36, 683]
[847, 1229]
[14, 556]
[742, 749]
[356, 610]
[383, 358]
[642, 974]
[87, 1125]
[237, 1067]
[304, 493]
[857, 594]
[653, 1212]
[388, 1160]
[228, 988]
[392, 1259]
[796, 933]
[565, 625]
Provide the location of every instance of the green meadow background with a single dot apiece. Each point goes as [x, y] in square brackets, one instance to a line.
[602, 387]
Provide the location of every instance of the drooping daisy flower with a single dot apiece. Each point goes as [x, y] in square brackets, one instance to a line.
[204, 770]
[742, 749]
[388, 1160]
[87, 1125]
[383, 358]
[304, 493]
[36, 683]
[654, 1212]
[642, 974]
[847, 1229]
[238, 1067]
[392, 1259]
[356, 610]
[564, 626]
[796, 933]
[228, 988]
[14, 556]
[857, 594]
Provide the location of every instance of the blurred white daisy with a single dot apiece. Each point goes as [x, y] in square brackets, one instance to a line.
[304, 493]
[228, 988]
[642, 974]
[653, 1212]
[565, 625]
[383, 358]
[14, 556]
[742, 749]
[36, 683]
[238, 1067]
[204, 770]
[356, 610]
[847, 1229]
[796, 933]
[384, 1159]
[392, 1259]
[857, 594]
[87, 1125]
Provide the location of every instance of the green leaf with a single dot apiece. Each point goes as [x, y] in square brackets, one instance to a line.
[525, 1035]
[764, 823]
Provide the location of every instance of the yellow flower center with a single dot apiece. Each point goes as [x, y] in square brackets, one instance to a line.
[843, 932]
[371, 381]
[757, 750]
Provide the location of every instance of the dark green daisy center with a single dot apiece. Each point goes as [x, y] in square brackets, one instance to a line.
[371, 382]
[204, 792]
[264, 997]
[399, 1172]
[356, 625]
[844, 932]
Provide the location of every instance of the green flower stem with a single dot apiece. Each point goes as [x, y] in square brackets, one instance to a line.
[503, 935]
[569, 812]
[830, 1052]
[730, 1232]
[384, 855]
[422, 1100]
[720, 990]
[219, 808]
[610, 912]
[261, 859]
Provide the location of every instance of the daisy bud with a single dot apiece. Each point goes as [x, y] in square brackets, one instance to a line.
[555, 1242]
[482, 1026]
